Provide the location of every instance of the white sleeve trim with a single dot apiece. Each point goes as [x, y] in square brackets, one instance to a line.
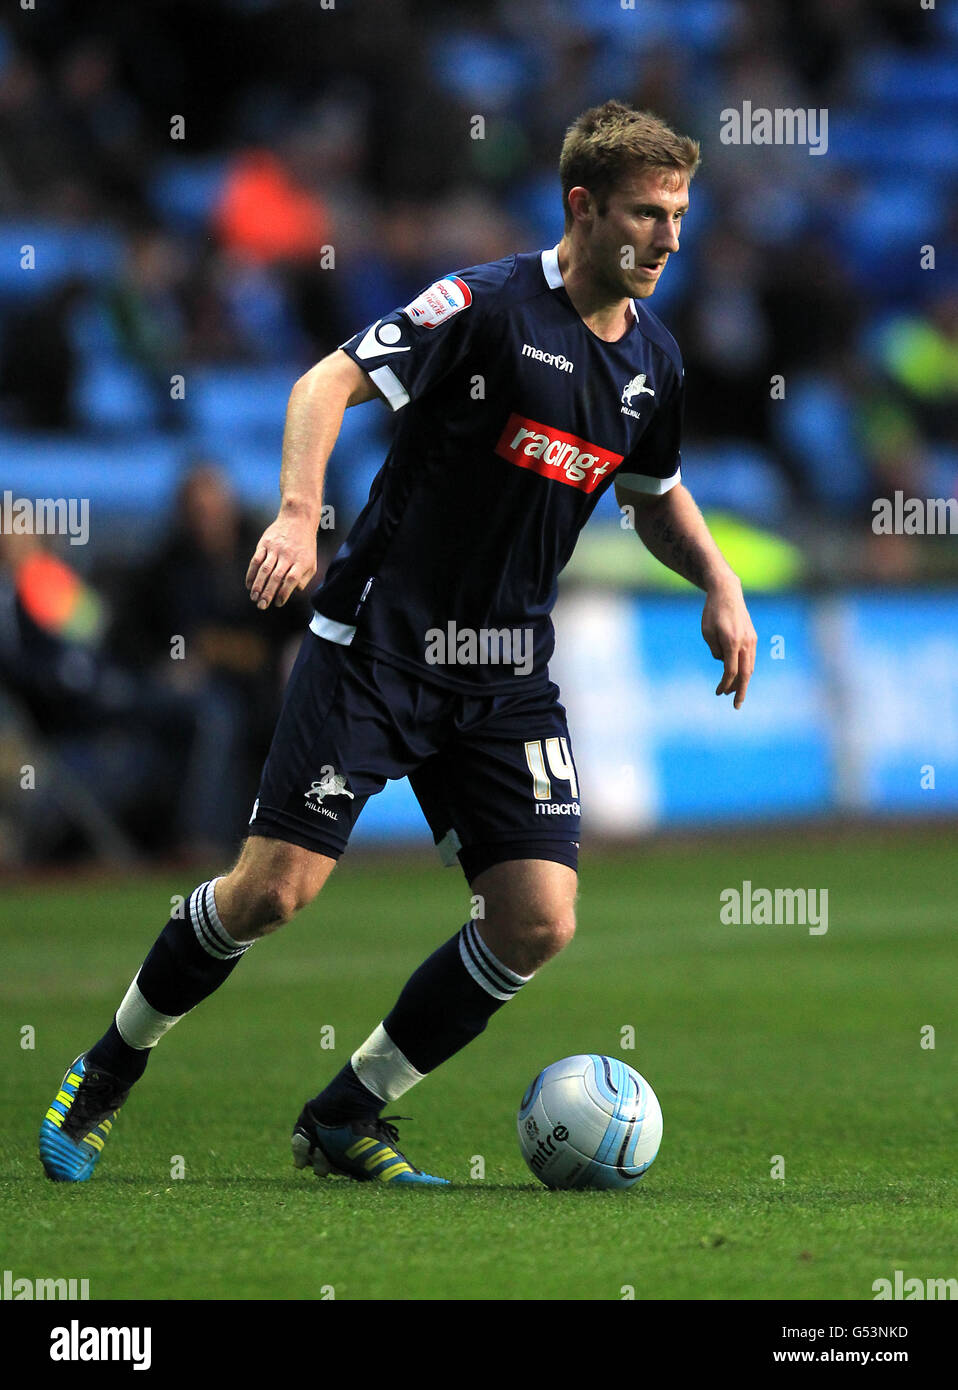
[642, 482]
[389, 384]
[340, 633]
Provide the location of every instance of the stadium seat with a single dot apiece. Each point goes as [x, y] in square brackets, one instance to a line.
[184, 192]
[815, 427]
[113, 395]
[59, 251]
[251, 400]
[129, 474]
[896, 79]
[740, 478]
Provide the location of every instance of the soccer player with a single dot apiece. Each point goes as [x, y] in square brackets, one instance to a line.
[524, 389]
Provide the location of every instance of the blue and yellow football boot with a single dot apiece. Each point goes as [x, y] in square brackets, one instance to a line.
[78, 1123]
[362, 1149]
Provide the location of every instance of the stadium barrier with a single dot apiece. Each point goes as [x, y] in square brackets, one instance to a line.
[853, 708]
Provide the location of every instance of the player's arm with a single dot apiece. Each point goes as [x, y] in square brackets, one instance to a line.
[285, 559]
[673, 529]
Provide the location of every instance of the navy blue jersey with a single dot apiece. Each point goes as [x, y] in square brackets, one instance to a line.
[514, 418]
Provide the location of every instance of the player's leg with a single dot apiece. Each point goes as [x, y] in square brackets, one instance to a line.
[271, 881]
[201, 945]
[445, 1005]
[528, 911]
[521, 866]
[196, 951]
[529, 907]
[285, 862]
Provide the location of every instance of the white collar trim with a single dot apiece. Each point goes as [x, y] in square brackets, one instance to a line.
[553, 275]
[550, 268]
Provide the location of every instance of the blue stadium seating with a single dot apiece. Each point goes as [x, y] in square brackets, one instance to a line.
[92, 252]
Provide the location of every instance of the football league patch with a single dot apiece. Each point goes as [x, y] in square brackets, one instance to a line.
[437, 304]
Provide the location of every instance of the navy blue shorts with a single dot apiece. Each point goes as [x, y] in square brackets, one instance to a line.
[493, 774]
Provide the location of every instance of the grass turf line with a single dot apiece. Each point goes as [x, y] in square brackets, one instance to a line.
[760, 1041]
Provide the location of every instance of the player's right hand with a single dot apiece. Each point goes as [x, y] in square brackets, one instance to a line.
[284, 561]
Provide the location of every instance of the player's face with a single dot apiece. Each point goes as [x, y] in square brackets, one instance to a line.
[631, 242]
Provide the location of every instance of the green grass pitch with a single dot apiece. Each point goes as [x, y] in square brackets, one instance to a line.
[763, 1043]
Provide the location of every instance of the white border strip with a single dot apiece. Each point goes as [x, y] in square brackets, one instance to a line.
[389, 384]
[642, 482]
[340, 633]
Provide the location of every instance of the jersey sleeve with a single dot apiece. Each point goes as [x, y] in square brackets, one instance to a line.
[655, 465]
[410, 350]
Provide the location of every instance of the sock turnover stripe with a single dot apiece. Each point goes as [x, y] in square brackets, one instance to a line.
[489, 973]
[506, 974]
[210, 932]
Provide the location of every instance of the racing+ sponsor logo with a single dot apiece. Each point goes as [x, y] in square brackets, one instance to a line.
[555, 454]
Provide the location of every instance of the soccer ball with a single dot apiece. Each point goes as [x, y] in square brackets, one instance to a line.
[589, 1121]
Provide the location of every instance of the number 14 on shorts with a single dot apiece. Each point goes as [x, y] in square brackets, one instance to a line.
[560, 765]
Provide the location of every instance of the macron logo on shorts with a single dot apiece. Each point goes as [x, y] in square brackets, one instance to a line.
[554, 454]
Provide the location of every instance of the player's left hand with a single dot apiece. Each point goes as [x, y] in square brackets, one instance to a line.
[731, 638]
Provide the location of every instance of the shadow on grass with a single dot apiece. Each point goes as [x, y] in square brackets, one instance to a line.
[295, 1182]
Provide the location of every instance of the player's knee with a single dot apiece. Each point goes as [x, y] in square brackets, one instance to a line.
[545, 932]
[277, 904]
[560, 930]
[267, 906]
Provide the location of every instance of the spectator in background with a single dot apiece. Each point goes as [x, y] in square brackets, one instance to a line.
[130, 740]
[270, 214]
[920, 355]
[38, 362]
[146, 309]
[727, 341]
[265, 216]
[103, 125]
[185, 617]
[33, 152]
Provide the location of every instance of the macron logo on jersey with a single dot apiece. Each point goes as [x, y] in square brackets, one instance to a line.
[554, 359]
[437, 304]
[554, 454]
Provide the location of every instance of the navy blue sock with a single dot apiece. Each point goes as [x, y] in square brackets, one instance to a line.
[445, 1004]
[117, 1057]
[190, 959]
[345, 1098]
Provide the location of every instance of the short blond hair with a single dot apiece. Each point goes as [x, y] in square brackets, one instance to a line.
[607, 143]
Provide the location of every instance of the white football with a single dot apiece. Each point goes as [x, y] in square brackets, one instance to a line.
[589, 1121]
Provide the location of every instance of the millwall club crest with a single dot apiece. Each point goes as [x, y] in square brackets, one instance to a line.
[631, 390]
[636, 387]
[330, 784]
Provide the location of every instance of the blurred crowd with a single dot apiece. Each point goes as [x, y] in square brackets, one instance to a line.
[223, 190]
[137, 708]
